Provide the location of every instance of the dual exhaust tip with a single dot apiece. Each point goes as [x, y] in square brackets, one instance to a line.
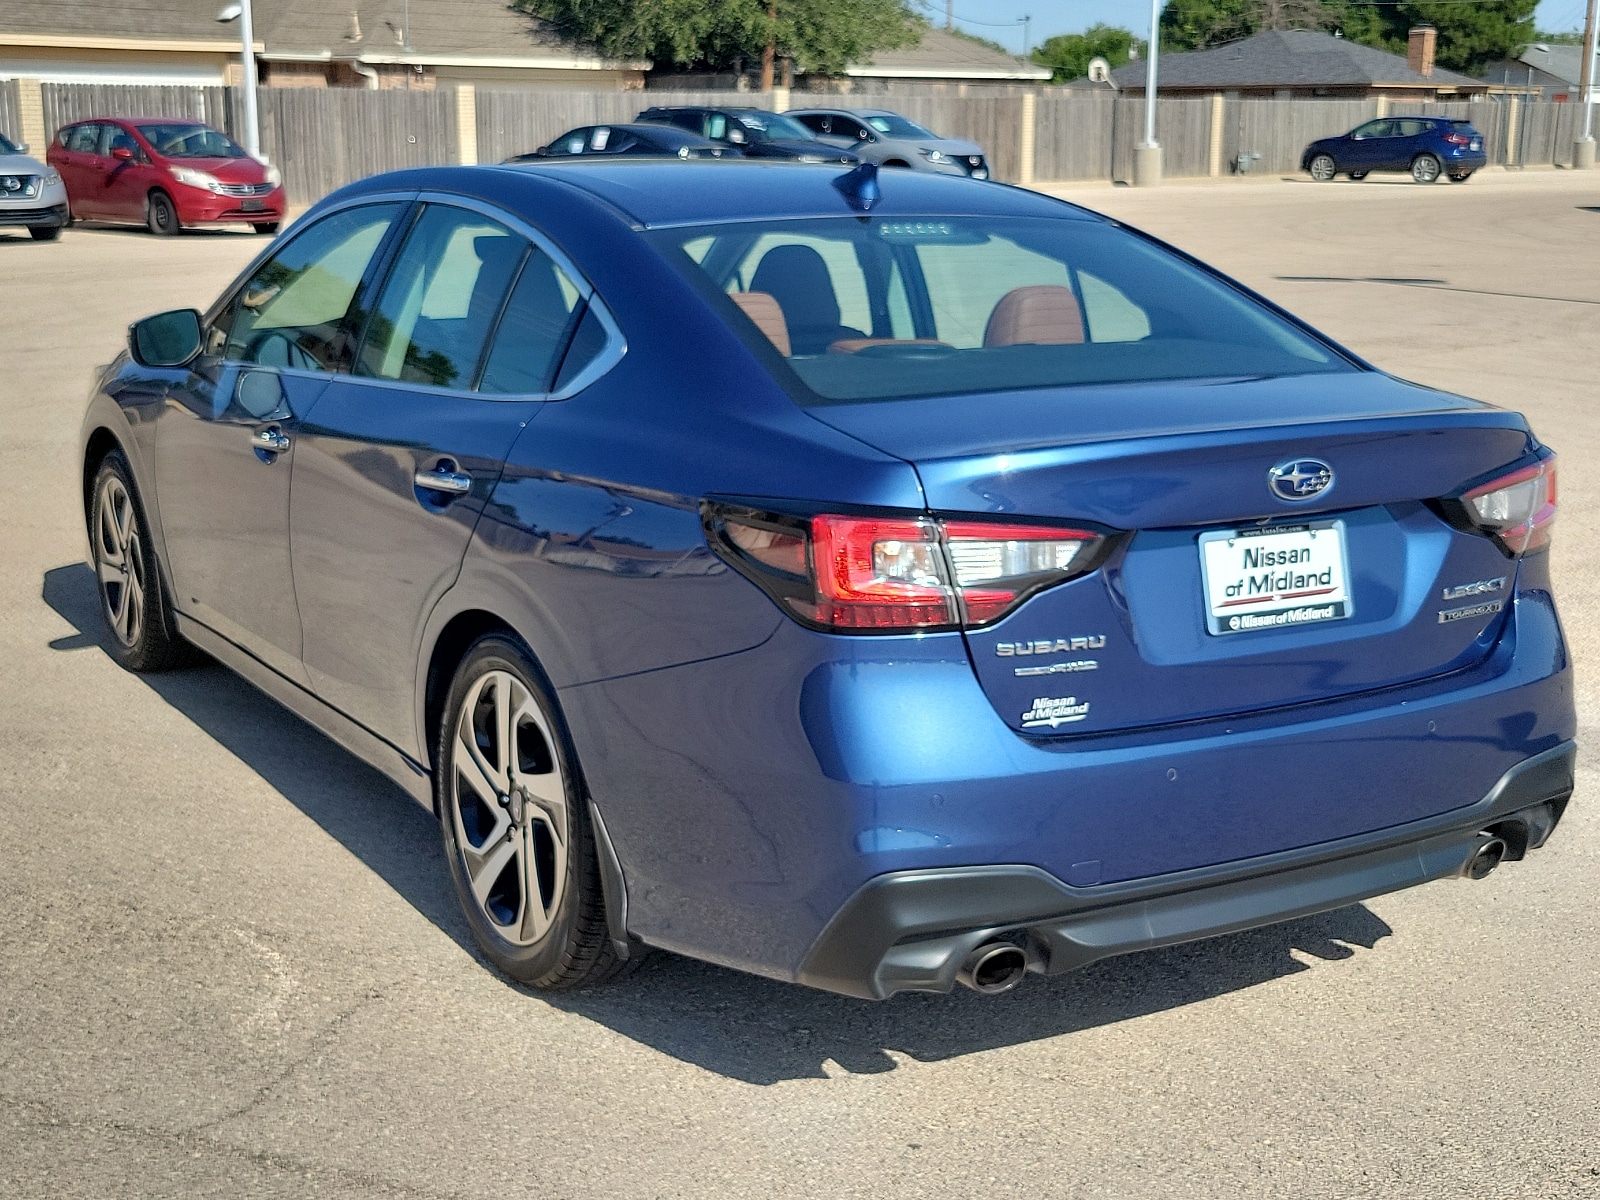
[1489, 853]
[994, 968]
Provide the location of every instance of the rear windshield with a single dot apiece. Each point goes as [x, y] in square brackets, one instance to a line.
[190, 141]
[897, 127]
[872, 308]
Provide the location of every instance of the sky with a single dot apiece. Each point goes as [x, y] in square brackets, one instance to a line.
[1001, 20]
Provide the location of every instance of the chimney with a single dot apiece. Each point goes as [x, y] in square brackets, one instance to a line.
[1419, 49]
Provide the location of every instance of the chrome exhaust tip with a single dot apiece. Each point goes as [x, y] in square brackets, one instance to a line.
[994, 968]
[1488, 855]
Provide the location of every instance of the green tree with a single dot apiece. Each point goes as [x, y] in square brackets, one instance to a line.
[1068, 54]
[818, 35]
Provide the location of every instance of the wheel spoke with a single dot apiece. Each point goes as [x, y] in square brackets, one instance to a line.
[133, 605]
[484, 870]
[470, 767]
[538, 910]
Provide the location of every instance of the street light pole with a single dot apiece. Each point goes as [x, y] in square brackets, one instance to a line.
[1583, 149]
[247, 59]
[1147, 154]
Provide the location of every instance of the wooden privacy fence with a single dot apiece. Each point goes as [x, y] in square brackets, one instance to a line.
[324, 138]
[10, 115]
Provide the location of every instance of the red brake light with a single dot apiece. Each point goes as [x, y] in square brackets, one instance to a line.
[1517, 510]
[1457, 139]
[897, 574]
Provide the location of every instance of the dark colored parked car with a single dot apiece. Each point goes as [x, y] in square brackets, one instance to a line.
[873, 581]
[755, 132]
[1423, 147]
[634, 141]
[165, 174]
[890, 140]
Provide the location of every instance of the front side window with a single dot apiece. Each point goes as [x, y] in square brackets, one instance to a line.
[874, 308]
[292, 311]
[442, 298]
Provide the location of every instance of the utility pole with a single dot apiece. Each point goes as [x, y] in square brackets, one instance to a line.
[247, 58]
[1027, 35]
[1147, 154]
[949, 14]
[1583, 148]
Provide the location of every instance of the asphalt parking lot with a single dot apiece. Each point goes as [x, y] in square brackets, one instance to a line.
[231, 963]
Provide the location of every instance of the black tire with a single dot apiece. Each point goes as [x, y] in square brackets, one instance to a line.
[44, 233]
[133, 599]
[1358, 176]
[542, 919]
[161, 216]
[1461, 177]
[266, 228]
[1425, 169]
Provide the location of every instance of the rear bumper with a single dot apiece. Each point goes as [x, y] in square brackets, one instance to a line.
[53, 216]
[911, 930]
[1456, 164]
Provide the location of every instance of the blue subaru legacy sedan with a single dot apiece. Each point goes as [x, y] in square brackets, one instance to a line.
[870, 583]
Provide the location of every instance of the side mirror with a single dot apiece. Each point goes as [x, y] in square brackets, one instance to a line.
[736, 136]
[122, 152]
[169, 339]
[23, 147]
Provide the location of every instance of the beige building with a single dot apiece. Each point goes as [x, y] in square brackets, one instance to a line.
[299, 43]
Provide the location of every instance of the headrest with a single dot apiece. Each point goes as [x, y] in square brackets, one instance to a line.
[1040, 315]
[797, 278]
[761, 308]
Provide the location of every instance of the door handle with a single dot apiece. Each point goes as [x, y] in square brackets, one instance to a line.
[271, 440]
[441, 480]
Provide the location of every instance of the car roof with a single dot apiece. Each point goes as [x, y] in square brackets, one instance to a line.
[722, 108]
[657, 194]
[853, 112]
[646, 129]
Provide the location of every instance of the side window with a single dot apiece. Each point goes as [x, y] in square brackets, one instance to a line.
[844, 127]
[816, 122]
[1371, 129]
[1409, 128]
[117, 138]
[967, 281]
[587, 341]
[84, 139]
[533, 330]
[291, 312]
[441, 298]
[717, 125]
[691, 120]
[600, 138]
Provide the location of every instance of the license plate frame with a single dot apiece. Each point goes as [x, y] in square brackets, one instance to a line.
[252, 205]
[1301, 583]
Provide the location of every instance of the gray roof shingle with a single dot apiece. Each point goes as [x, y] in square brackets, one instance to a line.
[1291, 58]
[940, 55]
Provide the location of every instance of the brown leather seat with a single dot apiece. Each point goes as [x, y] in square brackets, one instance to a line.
[762, 308]
[1040, 315]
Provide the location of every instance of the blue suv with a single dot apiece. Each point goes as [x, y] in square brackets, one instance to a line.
[1425, 147]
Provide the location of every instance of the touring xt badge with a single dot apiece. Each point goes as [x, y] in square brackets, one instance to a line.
[1053, 711]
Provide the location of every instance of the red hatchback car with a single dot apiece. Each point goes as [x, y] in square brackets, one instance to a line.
[165, 174]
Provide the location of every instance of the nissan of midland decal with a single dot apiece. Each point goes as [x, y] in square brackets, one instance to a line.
[1053, 711]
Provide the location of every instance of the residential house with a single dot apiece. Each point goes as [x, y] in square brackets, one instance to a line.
[1305, 64]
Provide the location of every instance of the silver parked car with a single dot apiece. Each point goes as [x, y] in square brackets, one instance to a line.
[31, 193]
[890, 140]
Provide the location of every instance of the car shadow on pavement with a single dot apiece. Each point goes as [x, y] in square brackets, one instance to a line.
[744, 1027]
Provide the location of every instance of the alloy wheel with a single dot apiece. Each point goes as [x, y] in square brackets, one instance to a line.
[119, 562]
[509, 807]
[1425, 169]
[1323, 168]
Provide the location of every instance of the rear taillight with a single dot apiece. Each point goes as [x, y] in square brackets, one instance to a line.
[1517, 510]
[897, 574]
[1458, 139]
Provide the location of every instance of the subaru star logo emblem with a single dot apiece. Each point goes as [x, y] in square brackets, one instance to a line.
[1300, 478]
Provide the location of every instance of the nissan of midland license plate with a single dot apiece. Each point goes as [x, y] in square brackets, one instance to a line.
[1275, 577]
